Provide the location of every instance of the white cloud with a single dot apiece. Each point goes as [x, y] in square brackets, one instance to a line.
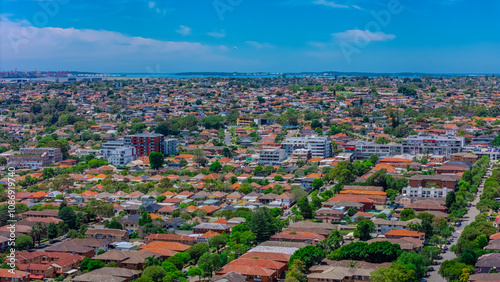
[259, 45]
[151, 4]
[50, 48]
[365, 35]
[184, 30]
[217, 34]
[330, 4]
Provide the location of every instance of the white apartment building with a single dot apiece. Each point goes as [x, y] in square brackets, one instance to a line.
[383, 226]
[432, 144]
[433, 192]
[364, 149]
[272, 156]
[319, 146]
[118, 154]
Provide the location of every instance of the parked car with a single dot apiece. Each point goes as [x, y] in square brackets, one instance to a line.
[431, 268]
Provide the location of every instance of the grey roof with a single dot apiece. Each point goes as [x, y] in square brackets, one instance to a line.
[485, 277]
[229, 277]
[493, 245]
[440, 177]
[380, 221]
[489, 260]
[212, 226]
[113, 274]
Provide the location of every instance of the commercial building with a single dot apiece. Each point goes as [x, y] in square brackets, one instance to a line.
[272, 156]
[433, 144]
[364, 149]
[319, 146]
[146, 143]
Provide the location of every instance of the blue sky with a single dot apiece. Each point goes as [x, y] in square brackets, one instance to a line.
[435, 36]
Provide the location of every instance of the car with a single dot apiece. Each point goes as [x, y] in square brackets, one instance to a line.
[431, 268]
[440, 257]
[42, 245]
[436, 262]
[424, 280]
[443, 251]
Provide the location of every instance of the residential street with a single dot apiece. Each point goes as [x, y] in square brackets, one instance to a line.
[227, 138]
[468, 218]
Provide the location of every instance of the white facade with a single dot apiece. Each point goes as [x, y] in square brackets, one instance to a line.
[118, 154]
[364, 149]
[383, 226]
[432, 192]
[319, 146]
[433, 144]
[273, 156]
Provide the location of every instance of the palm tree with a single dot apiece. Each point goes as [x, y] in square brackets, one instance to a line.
[37, 231]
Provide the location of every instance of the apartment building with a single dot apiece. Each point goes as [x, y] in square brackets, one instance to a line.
[433, 144]
[272, 156]
[464, 157]
[34, 158]
[117, 153]
[319, 146]
[171, 147]
[146, 143]
[54, 154]
[430, 186]
[364, 149]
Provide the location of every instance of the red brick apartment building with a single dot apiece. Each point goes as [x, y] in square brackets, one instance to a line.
[146, 143]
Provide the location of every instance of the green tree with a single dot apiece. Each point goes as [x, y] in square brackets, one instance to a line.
[396, 272]
[296, 272]
[450, 199]
[155, 272]
[208, 263]
[197, 250]
[333, 241]
[317, 183]
[52, 230]
[364, 229]
[415, 262]
[452, 269]
[407, 214]
[68, 216]
[156, 160]
[194, 271]
[309, 255]
[217, 242]
[305, 209]
[263, 224]
[215, 166]
[24, 242]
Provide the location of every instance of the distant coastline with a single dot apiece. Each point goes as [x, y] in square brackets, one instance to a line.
[63, 75]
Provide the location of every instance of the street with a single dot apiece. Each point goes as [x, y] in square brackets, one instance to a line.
[227, 138]
[467, 219]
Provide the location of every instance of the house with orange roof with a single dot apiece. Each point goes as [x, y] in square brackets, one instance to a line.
[401, 233]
